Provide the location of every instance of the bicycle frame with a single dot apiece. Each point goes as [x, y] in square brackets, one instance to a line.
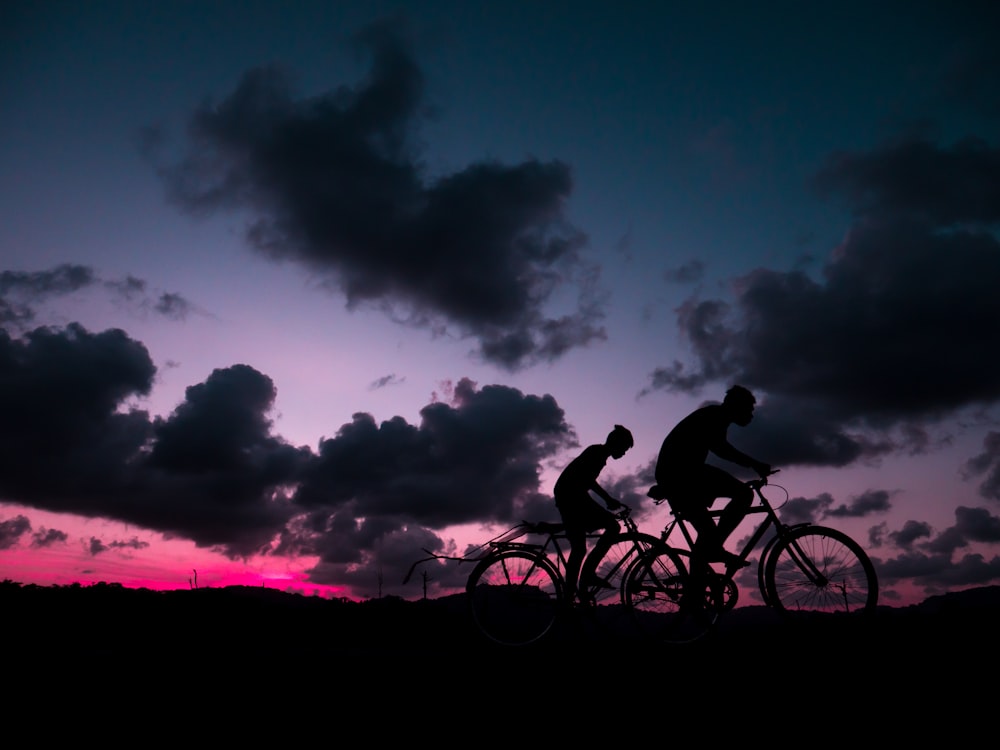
[517, 588]
[771, 521]
[803, 567]
[554, 547]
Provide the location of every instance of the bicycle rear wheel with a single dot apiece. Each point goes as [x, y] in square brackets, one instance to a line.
[515, 597]
[656, 593]
[820, 570]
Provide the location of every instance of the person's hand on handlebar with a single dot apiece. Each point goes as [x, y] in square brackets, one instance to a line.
[614, 504]
[762, 469]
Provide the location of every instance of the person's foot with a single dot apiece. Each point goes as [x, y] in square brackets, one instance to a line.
[731, 559]
[735, 563]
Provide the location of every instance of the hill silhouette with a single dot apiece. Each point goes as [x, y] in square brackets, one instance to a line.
[108, 622]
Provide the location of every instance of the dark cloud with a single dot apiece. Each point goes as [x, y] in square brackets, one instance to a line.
[799, 431]
[61, 279]
[928, 560]
[971, 525]
[215, 473]
[977, 524]
[47, 537]
[23, 292]
[897, 302]
[172, 306]
[335, 183]
[97, 546]
[939, 573]
[805, 510]
[476, 459]
[943, 186]
[367, 504]
[687, 273]
[385, 381]
[210, 472]
[946, 542]
[798, 510]
[877, 535]
[133, 543]
[20, 291]
[927, 570]
[911, 532]
[12, 529]
[872, 501]
[893, 334]
[988, 463]
[63, 440]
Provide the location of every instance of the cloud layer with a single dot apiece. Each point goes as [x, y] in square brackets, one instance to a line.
[893, 335]
[214, 472]
[334, 182]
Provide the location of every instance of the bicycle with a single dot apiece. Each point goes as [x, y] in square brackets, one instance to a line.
[803, 568]
[516, 591]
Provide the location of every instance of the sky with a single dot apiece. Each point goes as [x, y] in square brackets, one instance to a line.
[291, 294]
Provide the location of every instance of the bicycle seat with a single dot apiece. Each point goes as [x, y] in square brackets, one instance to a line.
[544, 527]
[657, 493]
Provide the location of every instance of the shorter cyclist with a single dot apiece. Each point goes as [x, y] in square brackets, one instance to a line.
[691, 485]
[581, 514]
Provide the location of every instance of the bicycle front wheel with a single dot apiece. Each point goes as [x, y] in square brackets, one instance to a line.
[606, 614]
[820, 570]
[615, 563]
[660, 596]
[515, 597]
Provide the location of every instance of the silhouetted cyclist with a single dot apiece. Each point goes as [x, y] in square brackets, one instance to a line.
[581, 514]
[691, 485]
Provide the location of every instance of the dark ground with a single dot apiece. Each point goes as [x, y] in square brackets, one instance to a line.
[106, 620]
[199, 651]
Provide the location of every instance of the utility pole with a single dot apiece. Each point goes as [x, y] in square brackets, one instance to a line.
[426, 579]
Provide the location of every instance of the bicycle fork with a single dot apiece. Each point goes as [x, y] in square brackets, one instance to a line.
[808, 567]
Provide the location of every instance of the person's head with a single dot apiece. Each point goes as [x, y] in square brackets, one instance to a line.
[619, 440]
[739, 402]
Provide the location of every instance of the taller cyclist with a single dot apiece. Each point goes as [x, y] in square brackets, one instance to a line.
[691, 484]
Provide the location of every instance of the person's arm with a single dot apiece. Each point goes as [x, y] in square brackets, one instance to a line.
[729, 453]
[725, 450]
[611, 502]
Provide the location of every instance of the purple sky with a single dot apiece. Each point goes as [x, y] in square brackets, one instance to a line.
[291, 293]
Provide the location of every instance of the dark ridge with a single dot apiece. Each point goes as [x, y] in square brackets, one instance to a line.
[108, 621]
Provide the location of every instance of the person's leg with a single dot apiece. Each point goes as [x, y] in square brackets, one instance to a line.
[689, 500]
[602, 519]
[707, 540]
[571, 510]
[721, 484]
[704, 549]
[578, 550]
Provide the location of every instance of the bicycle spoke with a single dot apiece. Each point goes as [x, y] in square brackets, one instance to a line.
[515, 597]
[821, 570]
[657, 594]
[615, 564]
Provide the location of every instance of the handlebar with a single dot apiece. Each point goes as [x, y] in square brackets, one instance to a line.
[761, 481]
